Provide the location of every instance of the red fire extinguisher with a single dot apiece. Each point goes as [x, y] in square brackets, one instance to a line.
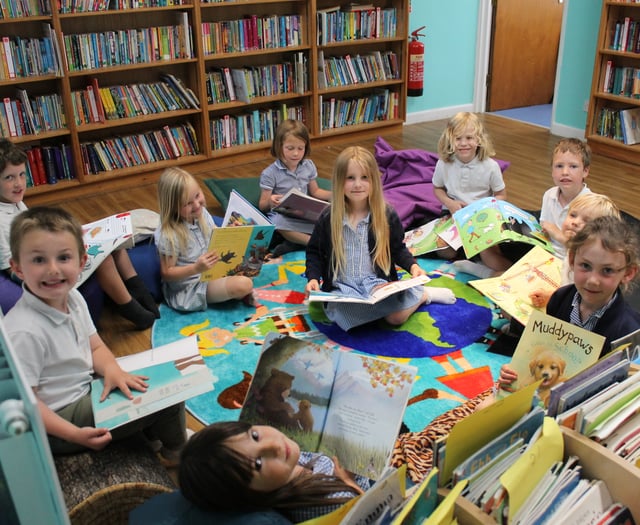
[416, 64]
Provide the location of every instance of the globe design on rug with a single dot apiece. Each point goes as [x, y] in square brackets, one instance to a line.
[435, 329]
[447, 343]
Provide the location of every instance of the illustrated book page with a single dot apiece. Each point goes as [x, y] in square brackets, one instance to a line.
[551, 351]
[379, 294]
[102, 237]
[537, 270]
[176, 373]
[299, 205]
[429, 238]
[241, 242]
[490, 221]
[340, 403]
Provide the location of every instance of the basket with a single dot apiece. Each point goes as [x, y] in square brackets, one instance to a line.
[111, 505]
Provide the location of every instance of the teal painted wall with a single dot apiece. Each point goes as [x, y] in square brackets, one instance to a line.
[582, 20]
[450, 56]
[450, 44]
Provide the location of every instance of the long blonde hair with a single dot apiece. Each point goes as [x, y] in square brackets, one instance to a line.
[172, 196]
[455, 127]
[377, 209]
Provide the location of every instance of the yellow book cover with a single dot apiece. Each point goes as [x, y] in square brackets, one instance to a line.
[550, 351]
[242, 242]
[537, 270]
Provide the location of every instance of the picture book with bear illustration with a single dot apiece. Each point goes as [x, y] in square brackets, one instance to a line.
[477, 226]
[340, 403]
[550, 351]
[241, 242]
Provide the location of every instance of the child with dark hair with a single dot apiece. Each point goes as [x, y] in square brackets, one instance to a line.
[234, 465]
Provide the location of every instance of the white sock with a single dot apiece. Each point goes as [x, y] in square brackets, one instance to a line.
[477, 269]
[440, 295]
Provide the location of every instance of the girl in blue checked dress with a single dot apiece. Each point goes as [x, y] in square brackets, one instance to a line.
[237, 466]
[356, 245]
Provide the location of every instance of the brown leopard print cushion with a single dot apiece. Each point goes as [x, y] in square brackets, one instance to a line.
[414, 448]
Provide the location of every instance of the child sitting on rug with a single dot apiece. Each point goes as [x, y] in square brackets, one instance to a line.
[464, 174]
[583, 208]
[183, 244]
[570, 164]
[356, 245]
[292, 169]
[235, 466]
[116, 274]
[604, 259]
[59, 347]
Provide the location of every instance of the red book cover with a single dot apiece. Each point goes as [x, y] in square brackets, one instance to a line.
[41, 173]
[96, 93]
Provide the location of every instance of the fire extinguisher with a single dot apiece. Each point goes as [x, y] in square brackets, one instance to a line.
[416, 64]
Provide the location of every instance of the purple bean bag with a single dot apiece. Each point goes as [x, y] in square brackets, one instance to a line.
[406, 180]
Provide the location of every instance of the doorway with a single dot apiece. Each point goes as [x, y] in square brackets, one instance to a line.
[518, 54]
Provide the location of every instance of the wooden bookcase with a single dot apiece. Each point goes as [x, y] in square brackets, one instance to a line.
[621, 477]
[80, 35]
[607, 100]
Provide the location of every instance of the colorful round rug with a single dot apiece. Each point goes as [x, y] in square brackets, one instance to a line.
[447, 343]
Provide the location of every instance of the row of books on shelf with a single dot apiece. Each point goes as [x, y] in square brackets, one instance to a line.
[27, 57]
[347, 70]
[253, 127]
[380, 105]
[166, 143]
[251, 33]
[92, 6]
[626, 35]
[509, 461]
[24, 8]
[336, 24]
[49, 164]
[97, 104]
[30, 116]
[243, 84]
[620, 124]
[624, 81]
[128, 46]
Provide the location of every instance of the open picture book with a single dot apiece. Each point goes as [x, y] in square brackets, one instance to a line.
[176, 373]
[549, 352]
[537, 270]
[241, 242]
[102, 237]
[328, 400]
[299, 205]
[477, 226]
[379, 294]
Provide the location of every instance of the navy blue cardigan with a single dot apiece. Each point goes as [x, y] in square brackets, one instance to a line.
[320, 251]
[619, 320]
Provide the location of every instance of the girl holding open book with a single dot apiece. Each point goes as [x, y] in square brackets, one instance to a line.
[183, 243]
[292, 169]
[356, 245]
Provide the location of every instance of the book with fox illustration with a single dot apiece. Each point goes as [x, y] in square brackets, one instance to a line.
[241, 242]
[328, 400]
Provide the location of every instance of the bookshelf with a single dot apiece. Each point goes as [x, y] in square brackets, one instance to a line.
[246, 63]
[616, 80]
[621, 477]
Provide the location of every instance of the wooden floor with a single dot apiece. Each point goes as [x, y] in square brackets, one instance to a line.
[526, 146]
